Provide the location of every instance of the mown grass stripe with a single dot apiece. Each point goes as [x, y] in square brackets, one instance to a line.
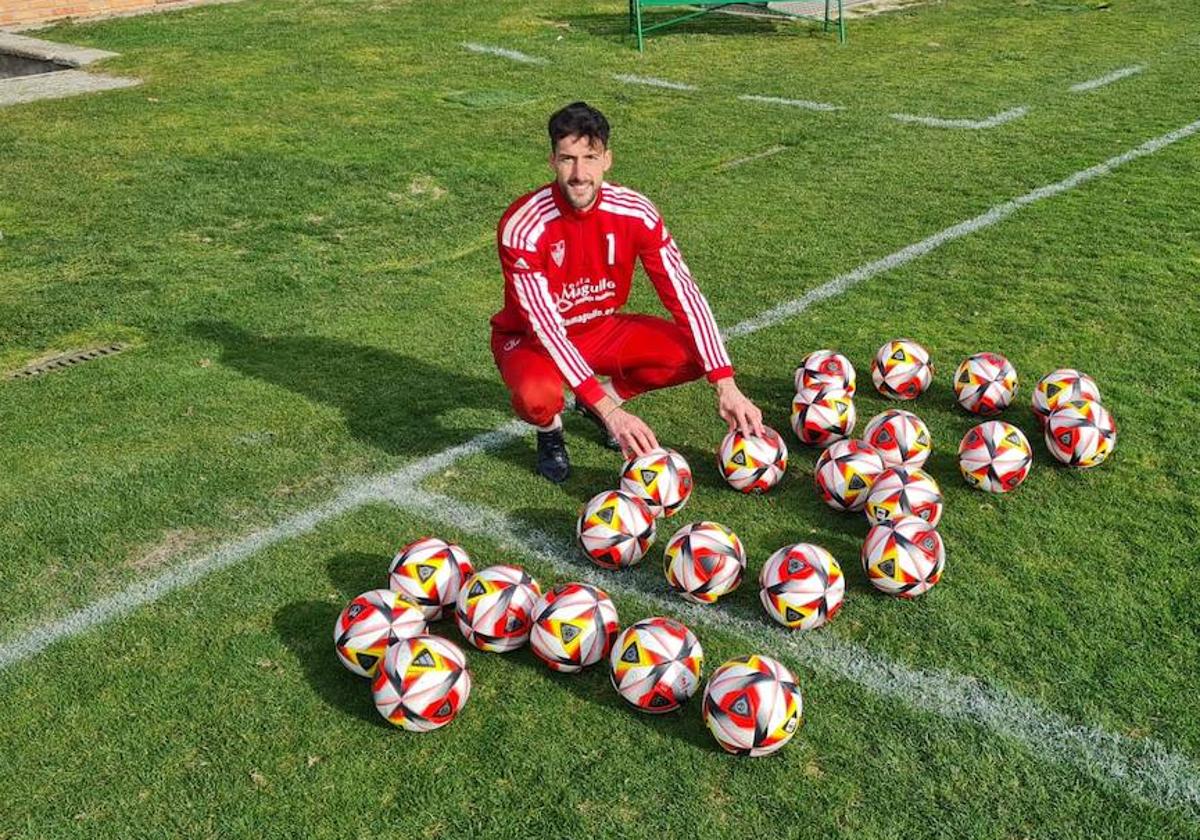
[1140, 767]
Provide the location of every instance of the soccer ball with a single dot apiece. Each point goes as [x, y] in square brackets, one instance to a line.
[752, 705]
[994, 456]
[615, 529]
[661, 479]
[495, 608]
[370, 623]
[655, 664]
[429, 573]
[845, 472]
[574, 626]
[826, 369]
[751, 463]
[1081, 433]
[903, 492]
[902, 438]
[423, 683]
[704, 561]
[904, 557]
[901, 369]
[802, 586]
[822, 415]
[985, 383]
[1062, 386]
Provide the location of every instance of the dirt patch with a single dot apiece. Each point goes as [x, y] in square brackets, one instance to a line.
[158, 554]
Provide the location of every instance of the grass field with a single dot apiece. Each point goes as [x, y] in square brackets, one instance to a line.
[291, 222]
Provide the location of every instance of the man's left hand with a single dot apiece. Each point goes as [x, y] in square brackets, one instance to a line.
[736, 409]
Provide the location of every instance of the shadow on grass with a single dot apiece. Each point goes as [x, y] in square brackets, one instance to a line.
[391, 401]
[306, 628]
[593, 685]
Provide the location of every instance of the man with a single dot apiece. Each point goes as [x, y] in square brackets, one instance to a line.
[567, 251]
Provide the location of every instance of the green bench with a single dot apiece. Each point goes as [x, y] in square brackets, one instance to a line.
[706, 6]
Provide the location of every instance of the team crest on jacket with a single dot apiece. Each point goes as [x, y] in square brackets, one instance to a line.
[557, 251]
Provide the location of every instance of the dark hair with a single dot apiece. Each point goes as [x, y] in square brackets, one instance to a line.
[578, 119]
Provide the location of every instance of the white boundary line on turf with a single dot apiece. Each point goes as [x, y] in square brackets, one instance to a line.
[984, 220]
[806, 104]
[993, 121]
[512, 55]
[31, 641]
[1143, 768]
[652, 82]
[733, 164]
[1114, 76]
[357, 494]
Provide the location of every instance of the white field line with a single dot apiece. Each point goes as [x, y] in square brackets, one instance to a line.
[31, 641]
[973, 125]
[806, 104]
[652, 82]
[354, 496]
[733, 164]
[512, 55]
[1114, 76]
[1140, 767]
[837, 285]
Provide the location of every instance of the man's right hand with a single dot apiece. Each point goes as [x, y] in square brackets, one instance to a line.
[635, 437]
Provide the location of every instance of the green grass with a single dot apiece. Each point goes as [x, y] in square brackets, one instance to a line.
[291, 221]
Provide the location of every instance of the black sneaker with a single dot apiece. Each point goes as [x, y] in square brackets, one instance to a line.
[553, 462]
[606, 439]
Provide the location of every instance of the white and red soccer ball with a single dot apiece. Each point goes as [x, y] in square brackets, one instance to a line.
[802, 586]
[369, 624]
[655, 664]
[753, 463]
[899, 491]
[826, 369]
[704, 561]
[995, 456]
[845, 473]
[422, 684]
[822, 415]
[904, 557]
[985, 384]
[429, 572]
[615, 529]
[1081, 433]
[1059, 387]
[753, 705]
[495, 608]
[901, 369]
[901, 437]
[574, 626]
[661, 478]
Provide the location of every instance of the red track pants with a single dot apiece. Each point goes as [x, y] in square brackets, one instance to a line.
[640, 353]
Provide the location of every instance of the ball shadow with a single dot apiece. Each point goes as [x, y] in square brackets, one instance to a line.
[593, 685]
[305, 628]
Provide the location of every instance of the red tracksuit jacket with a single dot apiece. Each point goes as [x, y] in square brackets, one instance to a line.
[565, 268]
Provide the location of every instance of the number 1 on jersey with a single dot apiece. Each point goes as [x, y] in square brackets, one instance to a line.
[612, 248]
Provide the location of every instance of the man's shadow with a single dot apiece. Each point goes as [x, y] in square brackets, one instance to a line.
[395, 402]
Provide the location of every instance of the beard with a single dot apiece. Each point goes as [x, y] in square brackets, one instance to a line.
[581, 195]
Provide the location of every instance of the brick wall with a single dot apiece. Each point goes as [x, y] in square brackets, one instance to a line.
[14, 12]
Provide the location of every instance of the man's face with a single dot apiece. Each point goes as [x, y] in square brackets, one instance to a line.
[579, 168]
